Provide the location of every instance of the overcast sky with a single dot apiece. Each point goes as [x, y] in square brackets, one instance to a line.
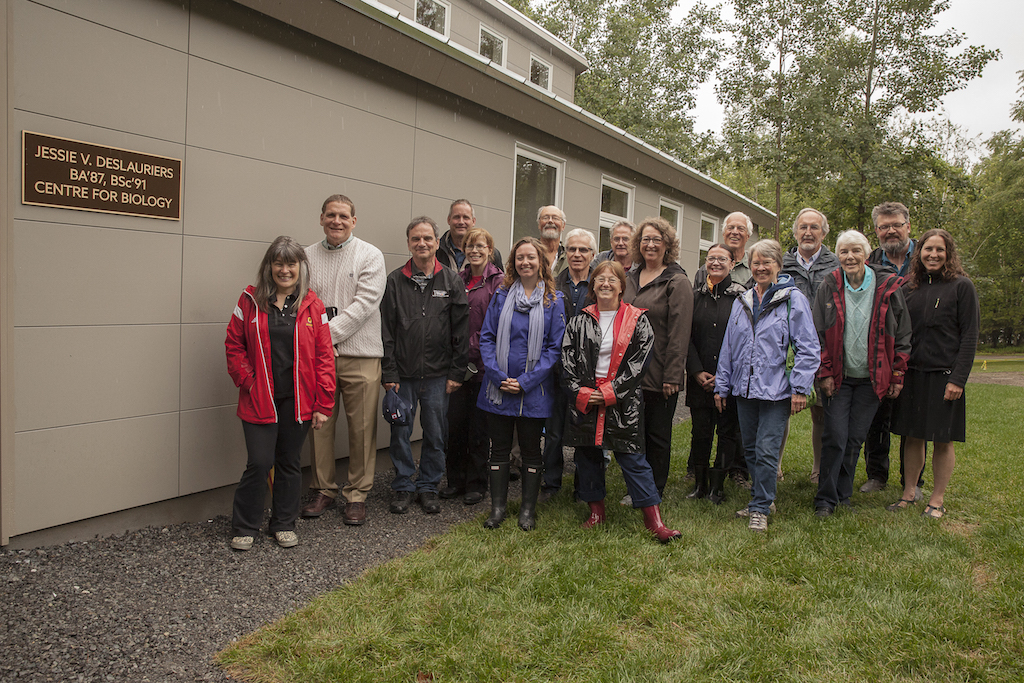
[983, 107]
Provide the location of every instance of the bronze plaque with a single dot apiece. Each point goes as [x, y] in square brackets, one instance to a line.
[78, 175]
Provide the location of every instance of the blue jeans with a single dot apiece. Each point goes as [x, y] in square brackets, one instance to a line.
[430, 394]
[635, 471]
[762, 424]
[848, 415]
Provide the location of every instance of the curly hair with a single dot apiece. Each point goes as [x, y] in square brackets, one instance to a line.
[951, 269]
[511, 274]
[668, 237]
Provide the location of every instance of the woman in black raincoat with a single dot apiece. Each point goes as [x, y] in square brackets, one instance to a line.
[604, 354]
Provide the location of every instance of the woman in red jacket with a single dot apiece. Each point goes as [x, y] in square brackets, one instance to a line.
[281, 359]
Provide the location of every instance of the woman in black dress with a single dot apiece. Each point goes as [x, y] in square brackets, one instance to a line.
[943, 307]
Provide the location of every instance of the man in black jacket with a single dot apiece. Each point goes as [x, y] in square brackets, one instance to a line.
[424, 325]
[892, 227]
[461, 219]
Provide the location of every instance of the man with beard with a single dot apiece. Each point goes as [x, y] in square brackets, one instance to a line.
[892, 226]
[550, 224]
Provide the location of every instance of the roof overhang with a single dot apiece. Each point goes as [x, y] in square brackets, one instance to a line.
[381, 34]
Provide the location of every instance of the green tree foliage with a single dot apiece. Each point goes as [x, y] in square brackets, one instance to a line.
[645, 68]
[817, 92]
[992, 242]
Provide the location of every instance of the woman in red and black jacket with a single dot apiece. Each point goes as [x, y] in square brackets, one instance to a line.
[865, 335]
[280, 357]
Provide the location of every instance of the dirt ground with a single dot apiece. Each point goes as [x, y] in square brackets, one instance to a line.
[1013, 379]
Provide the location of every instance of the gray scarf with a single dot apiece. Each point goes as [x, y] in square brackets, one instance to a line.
[518, 301]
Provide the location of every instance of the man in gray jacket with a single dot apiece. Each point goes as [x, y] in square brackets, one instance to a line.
[808, 263]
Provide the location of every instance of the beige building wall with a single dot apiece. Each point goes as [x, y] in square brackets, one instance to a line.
[114, 384]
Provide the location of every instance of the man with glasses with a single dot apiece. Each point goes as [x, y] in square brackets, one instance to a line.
[892, 227]
[574, 281]
[461, 219]
[620, 235]
[550, 224]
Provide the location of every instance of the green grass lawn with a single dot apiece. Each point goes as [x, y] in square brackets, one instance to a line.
[864, 596]
[983, 364]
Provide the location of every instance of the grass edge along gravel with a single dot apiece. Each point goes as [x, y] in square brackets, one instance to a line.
[868, 595]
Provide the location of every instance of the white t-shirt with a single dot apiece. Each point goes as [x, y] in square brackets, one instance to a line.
[604, 356]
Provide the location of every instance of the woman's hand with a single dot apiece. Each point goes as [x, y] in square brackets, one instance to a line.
[799, 403]
[706, 381]
[669, 389]
[894, 390]
[720, 402]
[510, 386]
[319, 419]
[953, 392]
[827, 386]
[596, 399]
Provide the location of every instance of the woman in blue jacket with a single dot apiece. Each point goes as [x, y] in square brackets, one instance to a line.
[520, 343]
[764, 323]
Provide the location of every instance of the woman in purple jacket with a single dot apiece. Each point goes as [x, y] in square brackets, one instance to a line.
[520, 343]
[466, 453]
[764, 323]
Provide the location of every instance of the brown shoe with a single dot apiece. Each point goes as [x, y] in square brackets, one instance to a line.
[317, 504]
[355, 514]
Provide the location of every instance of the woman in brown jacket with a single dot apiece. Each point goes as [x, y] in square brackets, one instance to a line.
[660, 286]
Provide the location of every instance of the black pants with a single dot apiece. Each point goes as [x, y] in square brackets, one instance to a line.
[878, 444]
[466, 453]
[502, 428]
[658, 414]
[704, 423]
[279, 446]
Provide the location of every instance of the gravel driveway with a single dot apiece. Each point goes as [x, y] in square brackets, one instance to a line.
[156, 604]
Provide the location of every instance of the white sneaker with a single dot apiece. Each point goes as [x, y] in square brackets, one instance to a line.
[627, 500]
[746, 513]
[286, 539]
[758, 522]
[241, 542]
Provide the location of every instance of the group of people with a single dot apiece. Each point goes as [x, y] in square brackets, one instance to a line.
[560, 346]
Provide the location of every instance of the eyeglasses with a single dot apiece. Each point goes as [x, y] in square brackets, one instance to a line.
[547, 217]
[717, 259]
[602, 280]
[651, 240]
[476, 247]
[890, 226]
[578, 250]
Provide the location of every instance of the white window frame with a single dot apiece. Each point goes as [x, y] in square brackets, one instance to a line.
[607, 220]
[705, 244]
[447, 17]
[494, 34]
[551, 73]
[678, 208]
[535, 154]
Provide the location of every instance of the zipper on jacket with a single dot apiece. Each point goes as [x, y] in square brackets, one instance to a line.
[295, 366]
[263, 357]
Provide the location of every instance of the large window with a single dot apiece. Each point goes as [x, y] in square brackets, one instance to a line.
[671, 212]
[540, 72]
[434, 14]
[492, 45]
[616, 205]
[538, 183]
[708, 234]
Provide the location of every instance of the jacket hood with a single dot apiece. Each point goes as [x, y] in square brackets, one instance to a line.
[306, 300]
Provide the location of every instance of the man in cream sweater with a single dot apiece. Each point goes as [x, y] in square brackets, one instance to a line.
[348, 275]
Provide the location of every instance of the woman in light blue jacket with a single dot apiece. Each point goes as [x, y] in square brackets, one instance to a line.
[764, 323]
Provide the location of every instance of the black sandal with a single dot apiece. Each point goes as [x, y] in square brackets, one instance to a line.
[934, 512]
[901, 504]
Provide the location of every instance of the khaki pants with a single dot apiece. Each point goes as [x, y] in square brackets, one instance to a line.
[359, 391]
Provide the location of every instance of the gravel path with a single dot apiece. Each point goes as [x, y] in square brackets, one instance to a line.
[156, 604]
